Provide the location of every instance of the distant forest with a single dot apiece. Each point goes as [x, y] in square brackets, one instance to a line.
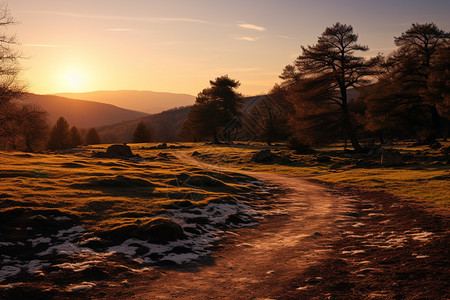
[331, 92]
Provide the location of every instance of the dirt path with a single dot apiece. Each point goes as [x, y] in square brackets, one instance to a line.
[317, 243]
[260, 262]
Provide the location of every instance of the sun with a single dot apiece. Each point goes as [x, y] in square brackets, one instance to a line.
[73, 79]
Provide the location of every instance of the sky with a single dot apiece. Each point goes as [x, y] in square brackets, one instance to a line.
[179, 46]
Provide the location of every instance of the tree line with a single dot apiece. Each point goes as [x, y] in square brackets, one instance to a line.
[333, 93]
[330, 93]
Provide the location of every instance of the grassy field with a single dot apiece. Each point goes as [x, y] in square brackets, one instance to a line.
[424, 176]
[72, 204]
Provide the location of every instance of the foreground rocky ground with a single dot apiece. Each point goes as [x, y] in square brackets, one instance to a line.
[316, 241]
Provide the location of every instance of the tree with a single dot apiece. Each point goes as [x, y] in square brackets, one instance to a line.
[10, 87]
[60, 136]
[92, 137]
[214, 108]
[322, 76]
[33, 127]
[75, 137]
[402, 95]
[141, 134]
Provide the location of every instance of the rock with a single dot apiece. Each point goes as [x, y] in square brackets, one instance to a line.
[195, 153]
[391, 157]
[157, 230]
[115, 151]
[283, 160]
[160, 230]
[162, 146]
[118, 151]
[323, 158]
[263, 156]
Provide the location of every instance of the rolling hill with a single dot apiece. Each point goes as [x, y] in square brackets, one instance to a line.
[145, 101]
[82, 113]
[165, 127]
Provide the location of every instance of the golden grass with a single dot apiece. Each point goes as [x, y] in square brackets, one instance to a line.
[104, 192]
[423, 181]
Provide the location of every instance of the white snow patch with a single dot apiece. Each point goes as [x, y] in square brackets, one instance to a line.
[40, 240]
[7, 271]
[36, 265]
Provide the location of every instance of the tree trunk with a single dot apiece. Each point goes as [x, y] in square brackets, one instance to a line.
[350, 132]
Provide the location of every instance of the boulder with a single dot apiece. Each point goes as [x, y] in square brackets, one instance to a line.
[263, 156]
[118, 151]
[391, 157]
[157, 230]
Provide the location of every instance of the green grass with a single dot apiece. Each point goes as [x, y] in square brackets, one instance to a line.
[422, 180]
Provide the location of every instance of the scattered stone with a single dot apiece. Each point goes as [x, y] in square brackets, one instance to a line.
[119, 151]
[263, 156]
[115, 151]
[157, 230]
[195, 153]
[391, 157]
[162, 146]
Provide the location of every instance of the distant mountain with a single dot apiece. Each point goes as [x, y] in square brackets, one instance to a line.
[82, 113]
[145, 101]
[165, 127]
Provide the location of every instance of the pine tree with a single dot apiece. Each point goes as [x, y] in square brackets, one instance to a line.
[141, 134]
[59, 136]
[92, 137]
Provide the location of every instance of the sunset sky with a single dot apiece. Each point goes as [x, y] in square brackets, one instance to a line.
[178, 46]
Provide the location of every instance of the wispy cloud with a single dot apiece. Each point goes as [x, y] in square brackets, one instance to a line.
[247, 38]
[43, 45]
[121, 18]
[251, 26]
[119, 29]
[284, 37]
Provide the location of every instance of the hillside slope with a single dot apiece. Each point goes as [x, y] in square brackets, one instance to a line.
[82, 113]
[146, 101]
[165, 127]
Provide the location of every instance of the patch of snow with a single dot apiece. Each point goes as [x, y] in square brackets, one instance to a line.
[63, 218]
[7, 271]
[36, 265]
[6, 244]
[40, 240]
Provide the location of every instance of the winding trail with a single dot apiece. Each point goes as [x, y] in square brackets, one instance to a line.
[259, 262]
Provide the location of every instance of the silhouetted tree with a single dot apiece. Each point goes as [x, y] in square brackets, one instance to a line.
[60, 136]
[10, 87]
[319, 83]
[33, 127]
[75, 137]
[399, 99]
[141, 134]
[214, 108]
[92, 137]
